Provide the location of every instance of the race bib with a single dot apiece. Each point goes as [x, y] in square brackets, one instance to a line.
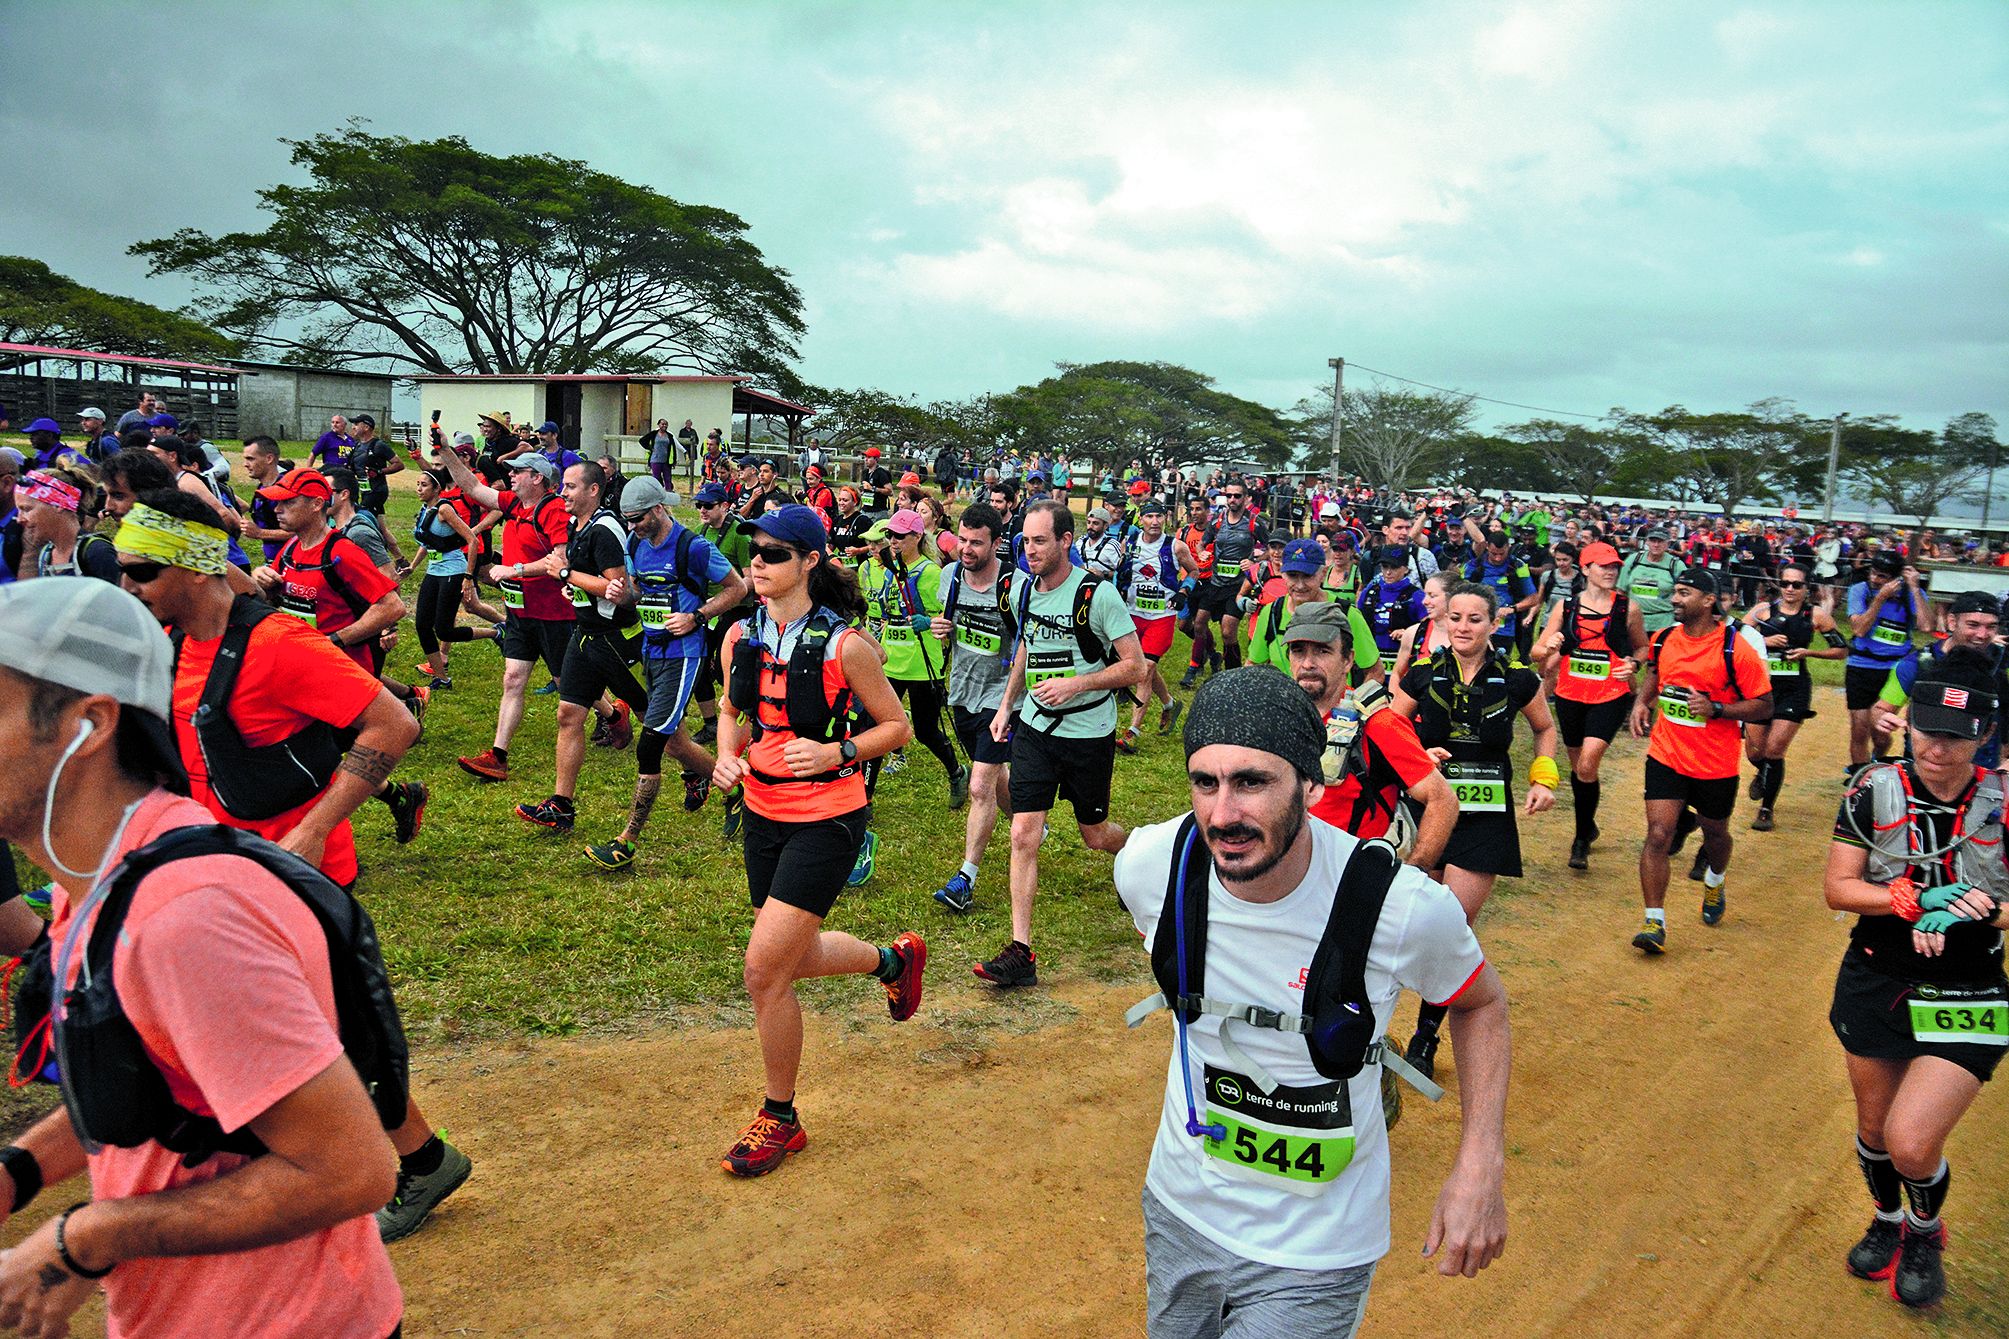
[512, 593]
[1779, 665]
[1966, 1017]
[1674, 708]
[1388, 661]
[897, 632]
[1152, 604]
[1589, 665]
[1481, 787]
[1644, 590]
[299, 605]
[1294, 1139]
[580, 599]
[1043, 665]
[654, 611]
[977, 639]
[1885, 635]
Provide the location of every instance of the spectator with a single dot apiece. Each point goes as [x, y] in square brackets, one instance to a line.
[330, 449]
[98, 441]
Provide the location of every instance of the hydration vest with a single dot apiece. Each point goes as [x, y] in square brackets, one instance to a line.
[1168, 568]
[1617, 625]
[116, 1094]
[1346, 733]
[428, 537]
[1976, 857]
[1338, 1024]
[257, 782]
[811, 713]
[1087, 643]
[328, 571]
[1000, 592]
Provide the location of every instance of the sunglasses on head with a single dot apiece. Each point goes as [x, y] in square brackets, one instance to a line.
[774, 553]
[142, 573]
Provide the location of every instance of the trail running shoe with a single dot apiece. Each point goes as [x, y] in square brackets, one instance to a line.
[1126, 743]
[1920, 1277]
[959, 787]
[1756, 790]
[903, 992]
[485, 766]
[407, 802]
[957, 894]
[38, 898]
[550, 687]
[1875, 1256]
[420, 699]
[546, 814]
[1763, 822]
[1422, 1053]
[1169, 717]
[1191, 677]
[735, 812]
[1213, 663]
[621, 727]
[695, 789]
[763, 1146]
[1579, 854]
[1652, 939]
[896, 761]
[706, 737]
[614, 855]
[425, 668]
[418, 1196]
[861, 868]
[598, 739]
[1699, 868]
[442, 683]
[1015, 965]
[1714, 902]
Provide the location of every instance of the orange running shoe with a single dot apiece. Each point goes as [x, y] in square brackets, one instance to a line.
[485, 766]
[903, 992]
[764, 1145]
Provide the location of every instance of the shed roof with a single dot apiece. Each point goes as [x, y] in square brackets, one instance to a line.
[647, 378]
[44, 351]
[258, 365]
[747, 400]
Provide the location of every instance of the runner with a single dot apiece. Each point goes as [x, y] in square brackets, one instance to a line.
[1973, 620]
[1883, 612]
[1266, 1204]
[979, 602]
[1921, 1006]
[537, 610]
[1493, 564]
[1788, 623]
[1391, 603]
[1591, 641]
[444, 530]
[678, 582]
[592, 571]
[1196, 619]
[1235, 540]
[1077, 649]
[719, 529]
[280, 696]
[1647, 578]
[1372, 757]
[1151, 567]
[799, 672]
[903, 594]
[220, 973]
[1303, 567]
[53, 503]
[1418, 642]
[1464, 700]
[1702, 680]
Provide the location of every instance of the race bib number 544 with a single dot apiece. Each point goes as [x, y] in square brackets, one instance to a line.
[1294, 1139]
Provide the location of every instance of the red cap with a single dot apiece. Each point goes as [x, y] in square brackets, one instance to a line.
[872, 452]
[1600, 554]
[910, 480]
[298, 483]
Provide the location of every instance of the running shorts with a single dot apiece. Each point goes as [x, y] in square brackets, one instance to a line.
[1711, 798]
[1044, 769]
[973, 732]
[803, 865]
[536, 638]
[1209, 598]
[1864, 685]
[1579, 721]
[1793, 697]
[1154, 635]
[1872, 1017]
[595, 663]
[671, 683]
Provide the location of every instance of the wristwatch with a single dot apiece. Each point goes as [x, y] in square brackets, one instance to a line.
[847, 749]
[564, 574]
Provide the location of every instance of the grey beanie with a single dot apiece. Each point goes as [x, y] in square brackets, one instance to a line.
[1259, 707]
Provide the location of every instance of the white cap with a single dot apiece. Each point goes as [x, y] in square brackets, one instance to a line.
[1329, 509]
[88, 635]
[92, 413]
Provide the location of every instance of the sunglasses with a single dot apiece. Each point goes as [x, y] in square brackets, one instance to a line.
[142, 573]
[775, 553]
[1792, 585]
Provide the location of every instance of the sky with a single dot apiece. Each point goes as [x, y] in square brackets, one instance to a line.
[1570, 205]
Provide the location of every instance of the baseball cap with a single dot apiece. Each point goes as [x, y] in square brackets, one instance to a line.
[539, 465]
[369, 420]
[793, 524]
[642, 494]
[710, 495]
[44, 425]
[1975, 602]
[1036, 474]
[465, 439]
[1961, 710]
[1303, 556]
[1888, 561]
[1392, 555]
[164, 421]
[1324, 622]
[1151, 506]
[92, 412]
[1697, 578]
[1654, 532]
[906, 522]
[871, 453]
[298, 483]
[546, 426]
[1330, 509]
[1600, 554]
[910, 480]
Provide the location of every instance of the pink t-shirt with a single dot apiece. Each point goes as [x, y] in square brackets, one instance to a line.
[224, 973]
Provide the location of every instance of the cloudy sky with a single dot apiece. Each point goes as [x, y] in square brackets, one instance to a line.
[1571, 205]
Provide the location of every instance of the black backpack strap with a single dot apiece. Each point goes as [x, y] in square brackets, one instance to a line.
[246, 613]
[1343, 1023]
[1194, 871]
[1730, 635]
[1086, 639]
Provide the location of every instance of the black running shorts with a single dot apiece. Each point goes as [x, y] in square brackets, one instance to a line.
[973, 732]
[804, 865]
[1216, 600]
[1579, 721]
[1872, 1018]
[1044, 769]
[1711, 798]
[595, 663]
[536, 638]
[1863, 686]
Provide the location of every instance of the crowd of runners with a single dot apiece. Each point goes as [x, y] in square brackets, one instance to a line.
[188, 670]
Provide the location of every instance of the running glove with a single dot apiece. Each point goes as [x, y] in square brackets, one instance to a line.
[1937, 922]
[1939, 899]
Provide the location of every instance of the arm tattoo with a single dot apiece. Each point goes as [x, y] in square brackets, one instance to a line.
[372, 765]
[49, 1276]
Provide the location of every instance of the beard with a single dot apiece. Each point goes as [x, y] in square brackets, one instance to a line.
[1274, 846]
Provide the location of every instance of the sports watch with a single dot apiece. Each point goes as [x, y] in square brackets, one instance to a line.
[847, 749]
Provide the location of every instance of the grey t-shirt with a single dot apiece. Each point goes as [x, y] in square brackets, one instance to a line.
[1234, 542]
[362, 528]
[981, 662]
[1053, 650]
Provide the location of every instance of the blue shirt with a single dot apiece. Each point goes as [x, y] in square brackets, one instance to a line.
[1889, 639]
[661, 587]
[1507, 578]
[1389, 609]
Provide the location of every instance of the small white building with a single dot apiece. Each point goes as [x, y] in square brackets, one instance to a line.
[598, 412]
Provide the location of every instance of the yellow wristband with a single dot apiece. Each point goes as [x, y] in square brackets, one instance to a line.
[1542, 772]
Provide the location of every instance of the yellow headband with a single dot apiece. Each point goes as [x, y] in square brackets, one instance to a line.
[146, 533]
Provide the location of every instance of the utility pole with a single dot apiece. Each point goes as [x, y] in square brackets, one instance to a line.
[1338, 366]
[1834, 458]
[1988, 497]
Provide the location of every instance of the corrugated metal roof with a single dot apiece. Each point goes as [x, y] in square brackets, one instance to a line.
[645, 378]
[44, 351]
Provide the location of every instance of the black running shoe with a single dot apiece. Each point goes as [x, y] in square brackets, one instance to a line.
[1015, 965]
[408, 809]
[1699, 868]
[1422, 1053]
[1920, 1277]
[959, 787]
[1875, 1256]
[706, 737]
[735, 812]
[1192, 676]
[1763, 822]
[1579, 854]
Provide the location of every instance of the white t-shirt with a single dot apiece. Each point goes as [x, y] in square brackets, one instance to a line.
[1260, 953]
[1150, 593]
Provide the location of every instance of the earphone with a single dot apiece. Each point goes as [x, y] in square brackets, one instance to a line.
[85, 729]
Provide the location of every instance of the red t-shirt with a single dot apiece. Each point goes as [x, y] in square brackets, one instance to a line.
[291, 678]
[1395, 762]
[329, 586]
[528, 533]
[792, 801]
[1691, 744]
[224, 973]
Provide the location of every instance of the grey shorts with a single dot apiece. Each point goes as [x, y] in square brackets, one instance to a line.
[1196, 1289]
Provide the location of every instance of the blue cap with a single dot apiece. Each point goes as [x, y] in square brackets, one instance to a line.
[710, 495]
[164, 421]
[1036, 474]
[548, 426]
[793, 524]
[1303, 556]
[45, 425]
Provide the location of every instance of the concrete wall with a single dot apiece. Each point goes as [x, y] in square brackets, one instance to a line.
[602, 407]
[707, 404]
[462, 403]
[296, 405]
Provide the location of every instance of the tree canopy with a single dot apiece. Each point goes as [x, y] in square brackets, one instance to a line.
[1394, 437]
[39, 306]
[1159, 412]
[1915, 473]
[432, 256]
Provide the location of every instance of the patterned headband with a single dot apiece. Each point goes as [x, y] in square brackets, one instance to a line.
[146, 533]
[52, 490]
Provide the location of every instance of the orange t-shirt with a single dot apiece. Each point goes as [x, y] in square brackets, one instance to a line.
[793, 801]
[1585, 673]
[224, 973]
[292, 677]
[1690, 743]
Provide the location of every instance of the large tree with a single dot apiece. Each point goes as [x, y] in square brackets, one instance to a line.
[1159, 412]
[1391, 438]
[39, 306]
[1916, 473]
[1581, 459]
[431, 256]
[1727, 459]
[848, 421]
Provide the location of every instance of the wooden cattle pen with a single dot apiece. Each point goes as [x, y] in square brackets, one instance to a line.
[41, 382]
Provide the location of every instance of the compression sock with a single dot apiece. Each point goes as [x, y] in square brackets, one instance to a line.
[1429, 1017]
[1775, 777]
[889, 964]
[781, 1111]
[1234, 653]
[1925, 1198]
[970, 870]
[1585, 793]
[1886, 1187]
[1761, 769]
[1712, 878]
[425, 1159]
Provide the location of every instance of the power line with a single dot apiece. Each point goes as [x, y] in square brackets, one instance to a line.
[1511, 404]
